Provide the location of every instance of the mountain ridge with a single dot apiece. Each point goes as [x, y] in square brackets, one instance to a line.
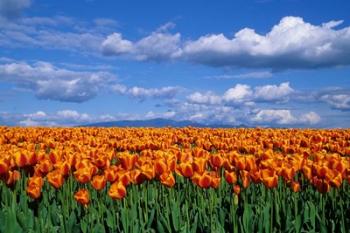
[158, 123]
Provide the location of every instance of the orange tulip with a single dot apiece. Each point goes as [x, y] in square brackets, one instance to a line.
[117, 190]
[55, 178]
[321, 185]
[231, 177]
[82, 196]
[82, 163]
[250, 163]
[307, 172]
[227, 165]
[128, 161]
[83, 175]
[215, 181]
[43, 167]
[124, 178]
[245, 178]
[237, 189]
[63, 167]
[195, 177]
[3, 167]
[216, 160]
[160, 166]
[171, 163]
[12, 176]
[336, 181]
[199, 165]
[32, 159]
[54, 157]
[255, 176]
[269, 178]
[138, 177]
[204, 180]
[111, 173]
[101, 161]
[295, 186]
[186, 169]
[340, 167]
[21, 159]
[322, 171]
[98, 182]
[148, 171]
[34, 186]
[287, 173]
[167, 179]
[240, 163]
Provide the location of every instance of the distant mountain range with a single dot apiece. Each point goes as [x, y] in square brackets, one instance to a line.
[159, 122]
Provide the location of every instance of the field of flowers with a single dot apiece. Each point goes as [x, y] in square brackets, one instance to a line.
[174, 180]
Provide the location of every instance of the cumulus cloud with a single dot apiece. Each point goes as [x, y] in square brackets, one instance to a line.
[242, 94]
[238, 93]
[158, 46]
[339, 101]
[142, 93]
[204, 98]
[243, 104]
[290, 44]
[50, 82]
[13, 8]
[273, 92]
[284, 117]
[206, 114]
[116, 45]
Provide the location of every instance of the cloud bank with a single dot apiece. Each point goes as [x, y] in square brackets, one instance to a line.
[290, 44]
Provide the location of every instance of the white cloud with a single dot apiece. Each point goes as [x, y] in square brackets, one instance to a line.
[158, 46]
[291, 44]
[273, 92]
[54, 83]
[310, 118]
[56, 32]
[206, 114]
[332, 24]
[36, 115]
[339, 101]
[154, 115]
[143, 93]
[13, 8]
[69, 117]
[272, 115]
[284, 117]
[115, 45]
[244, 95]
[238, 93]
[206, 98]
[66, 117]
[29, 122]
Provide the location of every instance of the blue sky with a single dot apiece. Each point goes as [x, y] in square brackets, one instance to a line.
[281, 63]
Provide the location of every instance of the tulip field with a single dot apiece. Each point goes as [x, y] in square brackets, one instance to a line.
[174, 180]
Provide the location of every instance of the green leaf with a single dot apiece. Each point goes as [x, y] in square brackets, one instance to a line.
[99, 228]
